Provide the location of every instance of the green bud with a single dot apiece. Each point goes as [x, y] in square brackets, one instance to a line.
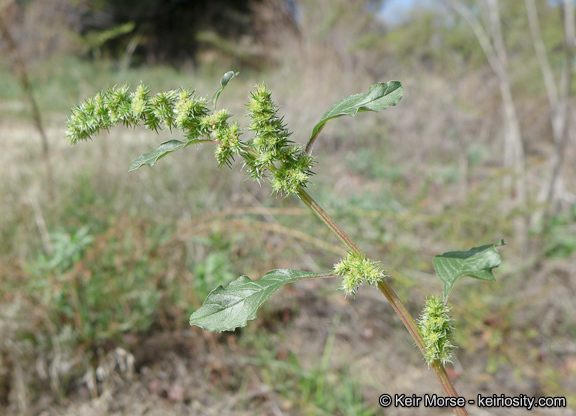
[139, 101]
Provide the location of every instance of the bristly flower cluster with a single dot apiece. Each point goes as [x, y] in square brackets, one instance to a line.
[289, 165]
[268, 155]
[165, 110]
[436, 328]
[355, 269]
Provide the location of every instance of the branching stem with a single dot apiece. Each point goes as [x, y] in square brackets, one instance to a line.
[391, 296]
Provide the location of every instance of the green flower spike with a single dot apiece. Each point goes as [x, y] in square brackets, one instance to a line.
[436, 327]
[289, 165]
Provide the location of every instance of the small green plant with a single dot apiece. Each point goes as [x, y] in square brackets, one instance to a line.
[269, 156]
[560, 238]
[66, 250]
[214, 269]
[93, 295]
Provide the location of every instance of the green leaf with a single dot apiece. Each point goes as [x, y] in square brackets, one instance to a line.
[226, 78]
[379, 97]
[152, 157]
[228, 308]
[477, 262]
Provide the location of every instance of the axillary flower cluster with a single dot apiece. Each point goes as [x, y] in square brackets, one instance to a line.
[268, 155]
[437, 330]
[356, 269]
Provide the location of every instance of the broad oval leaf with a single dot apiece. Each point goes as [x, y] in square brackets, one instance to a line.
[228, 308]
[162, 150]
[379, 97]
[477, 262]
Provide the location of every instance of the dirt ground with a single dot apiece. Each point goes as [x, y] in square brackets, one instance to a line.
[192, 372]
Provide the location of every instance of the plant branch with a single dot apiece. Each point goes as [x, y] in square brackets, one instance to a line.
[412, 327]
[326, 219]
[392, 298]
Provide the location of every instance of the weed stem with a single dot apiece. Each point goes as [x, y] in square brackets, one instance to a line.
[391, 296]
[326, 219]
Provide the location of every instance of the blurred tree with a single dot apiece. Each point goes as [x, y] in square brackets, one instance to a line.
[19, 69]
[559, 97]
[176, 30]
[491, 40]
[340, 33]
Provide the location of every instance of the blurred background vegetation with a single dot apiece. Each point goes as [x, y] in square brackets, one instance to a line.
[100, 269]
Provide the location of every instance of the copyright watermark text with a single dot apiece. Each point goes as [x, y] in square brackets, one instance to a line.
[495, 400]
